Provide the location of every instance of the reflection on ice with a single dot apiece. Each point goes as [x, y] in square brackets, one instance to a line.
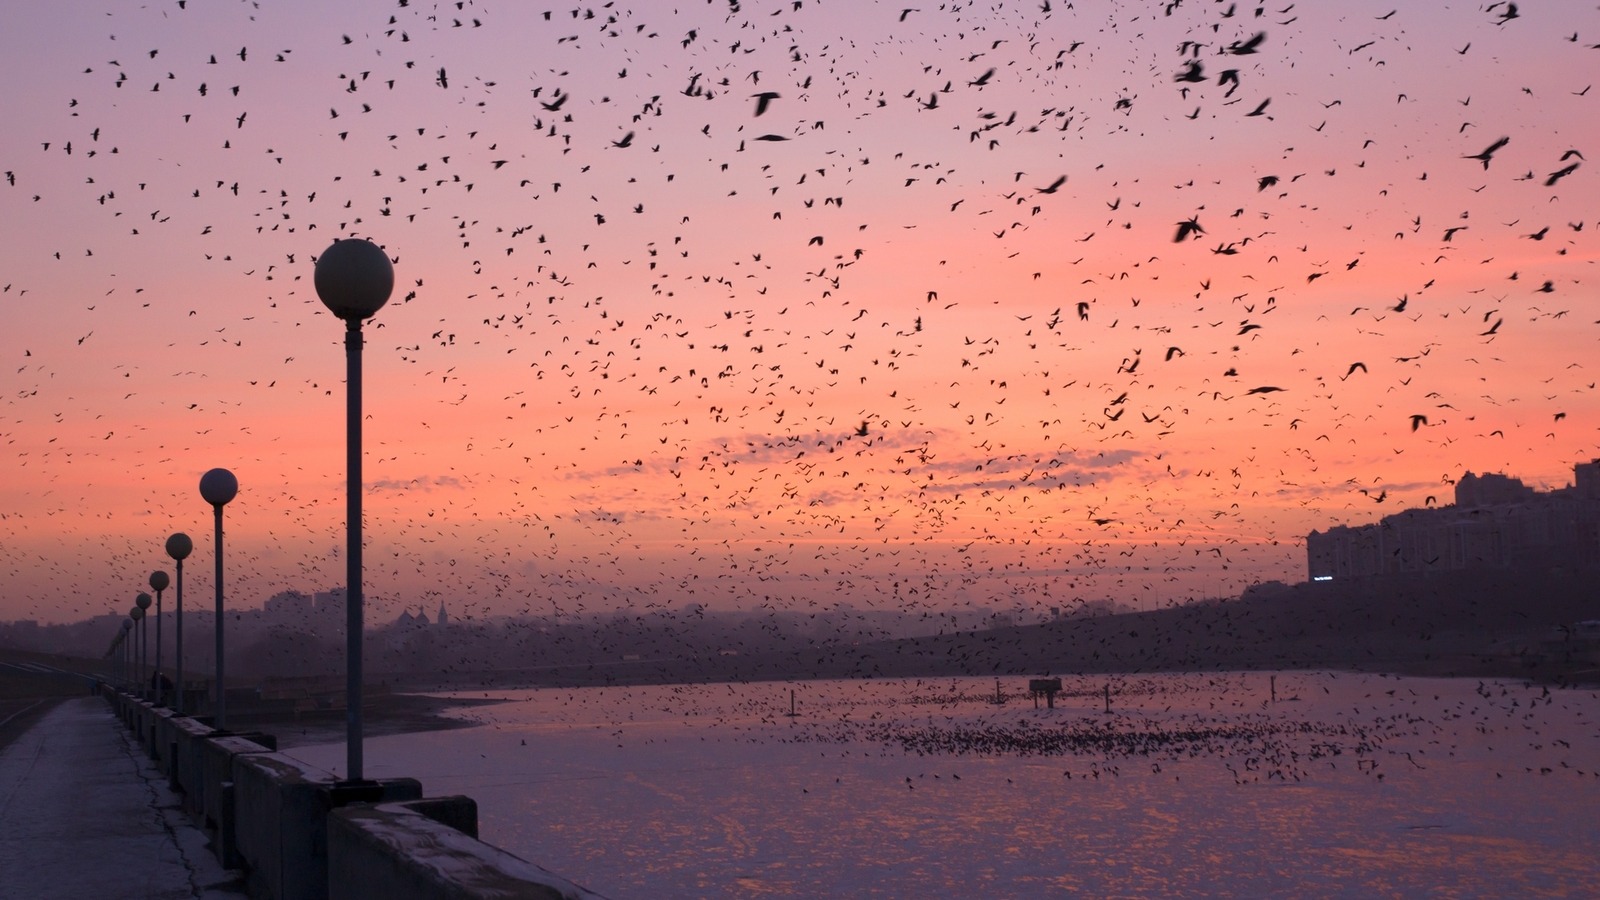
[1192, 785]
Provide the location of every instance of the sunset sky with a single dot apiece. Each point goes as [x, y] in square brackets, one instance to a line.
[917, 336]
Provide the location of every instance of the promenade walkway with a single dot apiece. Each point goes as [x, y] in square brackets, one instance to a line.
[83, 813]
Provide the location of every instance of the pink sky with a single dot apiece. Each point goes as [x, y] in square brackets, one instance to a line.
[662, 407]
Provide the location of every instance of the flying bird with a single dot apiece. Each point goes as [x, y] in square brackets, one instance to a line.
[1248, 47]
[763, 100]
[1489, 152]
[1188, 228]
[1560, 174]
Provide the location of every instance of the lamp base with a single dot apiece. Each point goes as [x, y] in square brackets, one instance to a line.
[344, 793]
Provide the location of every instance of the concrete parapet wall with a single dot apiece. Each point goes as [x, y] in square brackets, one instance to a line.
[161, 736]
[392, 851]
[300, 834]
[217, 754]
[459, 812]
[152, 727]
[141, 721]
[280, 814]
[279, 828]
[187, 766]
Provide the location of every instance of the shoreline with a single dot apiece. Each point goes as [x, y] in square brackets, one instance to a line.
[383, 715]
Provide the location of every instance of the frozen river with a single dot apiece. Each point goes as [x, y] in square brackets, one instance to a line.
[1192, 786]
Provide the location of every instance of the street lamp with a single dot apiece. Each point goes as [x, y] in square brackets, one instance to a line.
[127, 626]
[113, 654]
[137, 615]
[354, 280]
[217, 487]
[158, 583]
[178, 547]
[143, 603]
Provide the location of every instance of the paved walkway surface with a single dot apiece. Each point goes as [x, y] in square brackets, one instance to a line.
[83, 813]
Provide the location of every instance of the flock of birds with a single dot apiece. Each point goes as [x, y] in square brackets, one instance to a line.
[777, 303]
[1309, 726]
[877, 785]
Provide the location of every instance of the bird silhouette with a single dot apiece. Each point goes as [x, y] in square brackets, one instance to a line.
[763, 100]
[1489, 152]
[1054, 185]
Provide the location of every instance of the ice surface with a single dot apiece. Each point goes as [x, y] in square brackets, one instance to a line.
[1193, 786]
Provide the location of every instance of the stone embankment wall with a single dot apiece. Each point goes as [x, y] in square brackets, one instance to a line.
[298, 834]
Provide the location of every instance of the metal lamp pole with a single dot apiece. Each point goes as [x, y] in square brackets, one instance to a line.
[136, 670]
[127, 626]
[354, 280]
[158, 583]
[111, 655]
[143, 602]
[217, 487]
[178, 547]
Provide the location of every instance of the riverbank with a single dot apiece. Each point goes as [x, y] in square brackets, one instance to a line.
[382, 714]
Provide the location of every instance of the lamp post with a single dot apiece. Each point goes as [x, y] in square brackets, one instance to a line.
[158, 583]
[217, 487]
[178, 547]
[143, 603]
[127, 626]
[112, 656]
[137, 615]
[354, 280]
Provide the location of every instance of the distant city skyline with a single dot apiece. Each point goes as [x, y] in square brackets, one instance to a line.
[1496, 521]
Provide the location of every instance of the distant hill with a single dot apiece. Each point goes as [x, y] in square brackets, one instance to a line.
[1500, 623]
